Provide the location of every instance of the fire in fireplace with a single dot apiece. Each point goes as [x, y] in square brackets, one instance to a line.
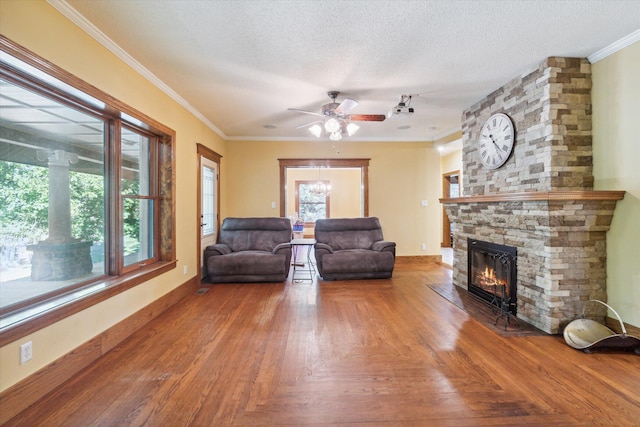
[492, 273]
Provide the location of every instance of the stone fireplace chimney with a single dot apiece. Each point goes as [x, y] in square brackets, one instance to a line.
[541, 200]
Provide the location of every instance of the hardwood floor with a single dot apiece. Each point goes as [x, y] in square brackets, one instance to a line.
[357, 353]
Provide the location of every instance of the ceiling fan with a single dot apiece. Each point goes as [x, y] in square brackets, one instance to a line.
[336, 120]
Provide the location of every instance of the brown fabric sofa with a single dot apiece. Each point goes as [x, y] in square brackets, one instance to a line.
[250, 250]
[353, 248]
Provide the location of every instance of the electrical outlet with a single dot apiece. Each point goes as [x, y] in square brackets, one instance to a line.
[184, 270]
[424, 246]
[26, 352]
[273, 205]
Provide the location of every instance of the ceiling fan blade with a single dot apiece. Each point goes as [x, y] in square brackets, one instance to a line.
[304, 111]
[346, 106]
[367, 117]
[308, 124]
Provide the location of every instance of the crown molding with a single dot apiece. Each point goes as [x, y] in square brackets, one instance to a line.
[614, 47]
[68, 11]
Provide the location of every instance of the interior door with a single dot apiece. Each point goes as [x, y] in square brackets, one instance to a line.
[450, 189]
[208, 207]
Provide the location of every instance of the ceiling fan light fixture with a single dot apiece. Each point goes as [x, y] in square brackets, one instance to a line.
[352, 128]
[331, 125]
[316, 130]
[336, 118]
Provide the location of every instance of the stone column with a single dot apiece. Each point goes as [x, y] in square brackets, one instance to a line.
[60, 256]
[59, 194]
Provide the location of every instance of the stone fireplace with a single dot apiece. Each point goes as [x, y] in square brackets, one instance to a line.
[541, 201]
[492, 274]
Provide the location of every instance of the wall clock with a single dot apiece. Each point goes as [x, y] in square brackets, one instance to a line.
[496, 141]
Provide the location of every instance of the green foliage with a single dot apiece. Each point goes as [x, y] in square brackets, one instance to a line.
[131, 209]
[87, 206]
[24, 204]
[312, 205]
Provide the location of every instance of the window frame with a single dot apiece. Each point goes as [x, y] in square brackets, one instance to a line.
[116, 279]
[327, 198]
[153, 196]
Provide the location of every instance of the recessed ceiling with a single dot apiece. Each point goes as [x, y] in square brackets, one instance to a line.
[241, 64]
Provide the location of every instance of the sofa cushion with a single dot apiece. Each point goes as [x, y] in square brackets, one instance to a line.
[357, 261]
[248, 262]
[260, 234]
[348, 233]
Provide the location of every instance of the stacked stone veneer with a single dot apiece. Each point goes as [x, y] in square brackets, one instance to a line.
[561, 248]
[551, 110]
[559, 233]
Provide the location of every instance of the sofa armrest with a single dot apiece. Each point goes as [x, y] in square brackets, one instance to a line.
[382, 245]
[320, 250]
[217, 249]
[281, 247]
[323, 247]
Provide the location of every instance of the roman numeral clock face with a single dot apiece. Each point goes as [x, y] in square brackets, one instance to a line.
[496, 141]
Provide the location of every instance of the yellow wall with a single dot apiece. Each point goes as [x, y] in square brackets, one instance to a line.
[616, 156]
[345, 199]
[41, 29]
[452, 162]
[401, 175]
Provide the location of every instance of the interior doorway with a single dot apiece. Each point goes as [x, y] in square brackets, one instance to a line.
[208, 203]
[316, 166]
[450, 189]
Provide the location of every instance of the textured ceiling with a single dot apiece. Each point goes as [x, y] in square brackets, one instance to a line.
[241, 64]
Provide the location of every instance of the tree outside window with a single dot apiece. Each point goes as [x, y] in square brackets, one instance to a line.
[312, 200]
[85, 190]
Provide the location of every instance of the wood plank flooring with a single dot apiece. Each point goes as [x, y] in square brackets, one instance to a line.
[346, 353]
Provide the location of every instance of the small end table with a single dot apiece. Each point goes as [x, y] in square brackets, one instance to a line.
[297, 264]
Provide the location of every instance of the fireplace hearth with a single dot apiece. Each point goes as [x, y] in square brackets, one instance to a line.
[492, 274]
[542, 200]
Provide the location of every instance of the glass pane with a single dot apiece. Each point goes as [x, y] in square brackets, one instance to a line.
[311, 212]
[135, 163]
[52, 195]
[312, 203]
[137, 229]
[307, 195]
[15, 62]
[208, 201]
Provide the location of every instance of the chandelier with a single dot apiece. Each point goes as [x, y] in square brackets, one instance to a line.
[320, 189]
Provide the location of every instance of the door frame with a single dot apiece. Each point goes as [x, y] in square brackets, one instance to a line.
[363, 164]
[211, 155]
[446, 224]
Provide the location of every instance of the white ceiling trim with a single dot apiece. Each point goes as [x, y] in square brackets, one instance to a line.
[614, 47]
[63, 7]
[68, 11]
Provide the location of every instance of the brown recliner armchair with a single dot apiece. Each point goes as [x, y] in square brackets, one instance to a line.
[250, 250]
[353, 248]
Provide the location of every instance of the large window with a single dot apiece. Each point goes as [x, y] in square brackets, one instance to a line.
[312, 200]
[85, 190]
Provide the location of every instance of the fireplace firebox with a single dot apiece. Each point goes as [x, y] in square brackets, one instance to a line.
[492, 274]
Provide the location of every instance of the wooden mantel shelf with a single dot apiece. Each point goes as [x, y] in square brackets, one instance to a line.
[538, 196]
